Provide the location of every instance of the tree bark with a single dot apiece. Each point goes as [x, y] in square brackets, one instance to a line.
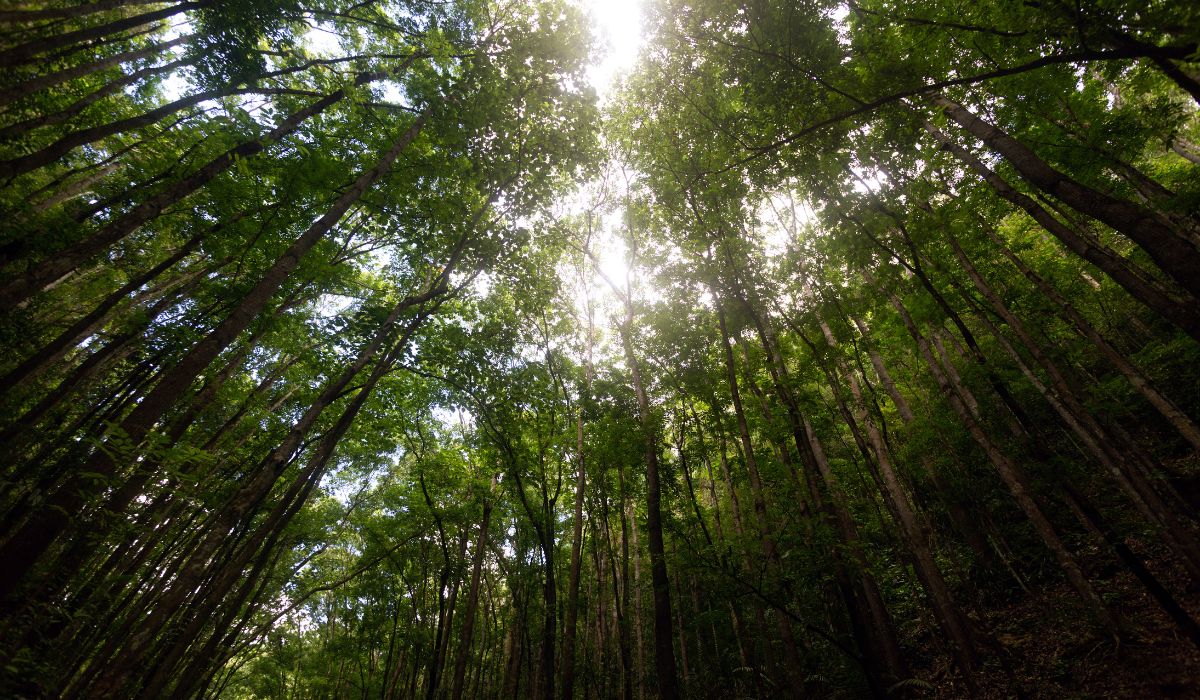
[464, 646]
[1136, 378]
[1095, 438]
[53, 351]
[24, 286]
[872, 628]
[27, 52]
[1012, 475]
[1178, 312]
[1173, 254]
[664, 651]
[770, 551]
[66, 114]
[115, 681]
[27, 546]
[946, 611]
[22, 15]
[572, 611]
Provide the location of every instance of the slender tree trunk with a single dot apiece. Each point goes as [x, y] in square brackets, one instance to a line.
[27, 546]
[635, 599]
[48, 80]
[756, 484]
[48, 197]
[53, 351]
[66, 114]
[24, 286]
[572, 611]
[683, 645]
[758, 492]
[946, 611]
[1186, 149]
[21, 15]
[27, 52]
[875, 635]
[1012, 475]
[1071, 409]
[747, 653]
[433, 668]
[164, 670]
[961, 518]
[1179, 420]
[20, 433]
[622, 592]
[1182, 314]
[115, 681]
[885, 377]
[1180, 616]
[1171, 252]
[14, 167]
[464, 647]
[873, 631]
[664, 652]
[550, 616]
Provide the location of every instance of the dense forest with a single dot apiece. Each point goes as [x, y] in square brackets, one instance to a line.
[377, 349]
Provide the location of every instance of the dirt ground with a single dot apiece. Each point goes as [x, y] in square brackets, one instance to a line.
[1052, 652]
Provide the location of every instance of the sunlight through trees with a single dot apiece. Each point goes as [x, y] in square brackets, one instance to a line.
[513, 348]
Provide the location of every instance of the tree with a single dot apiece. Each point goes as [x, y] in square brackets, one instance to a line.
[361, 349]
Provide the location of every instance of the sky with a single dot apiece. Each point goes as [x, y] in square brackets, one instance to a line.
[617, 23]
[619, 30]
[619, 26]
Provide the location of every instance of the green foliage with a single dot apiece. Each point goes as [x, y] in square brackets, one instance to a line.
[880, 390]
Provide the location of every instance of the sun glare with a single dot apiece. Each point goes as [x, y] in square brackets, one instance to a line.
[618, 24]
[613, 263]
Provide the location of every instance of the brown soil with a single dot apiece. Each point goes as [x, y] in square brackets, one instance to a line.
[1052, 652]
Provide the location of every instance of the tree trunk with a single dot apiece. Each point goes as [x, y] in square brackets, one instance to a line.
[66, 114]
[758, 492]
[1180, 616]
[464, 646]
[24, 286]
[1173, 254]
[873, 630]
[1071, 409]
[26, 53]
[27, 546]
[54, 350]
[48, 80]
[1012, 475]
[17, 16]
[885, 377]
[664, 652]
[959, 514]
[572, 611]
[946, 611]
[1182, 314]
[115, 680]
[1137, 379]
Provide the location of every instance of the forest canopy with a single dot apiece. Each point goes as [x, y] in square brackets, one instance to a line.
[414, 348]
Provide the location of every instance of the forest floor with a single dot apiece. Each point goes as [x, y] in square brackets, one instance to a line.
[1054, 653]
